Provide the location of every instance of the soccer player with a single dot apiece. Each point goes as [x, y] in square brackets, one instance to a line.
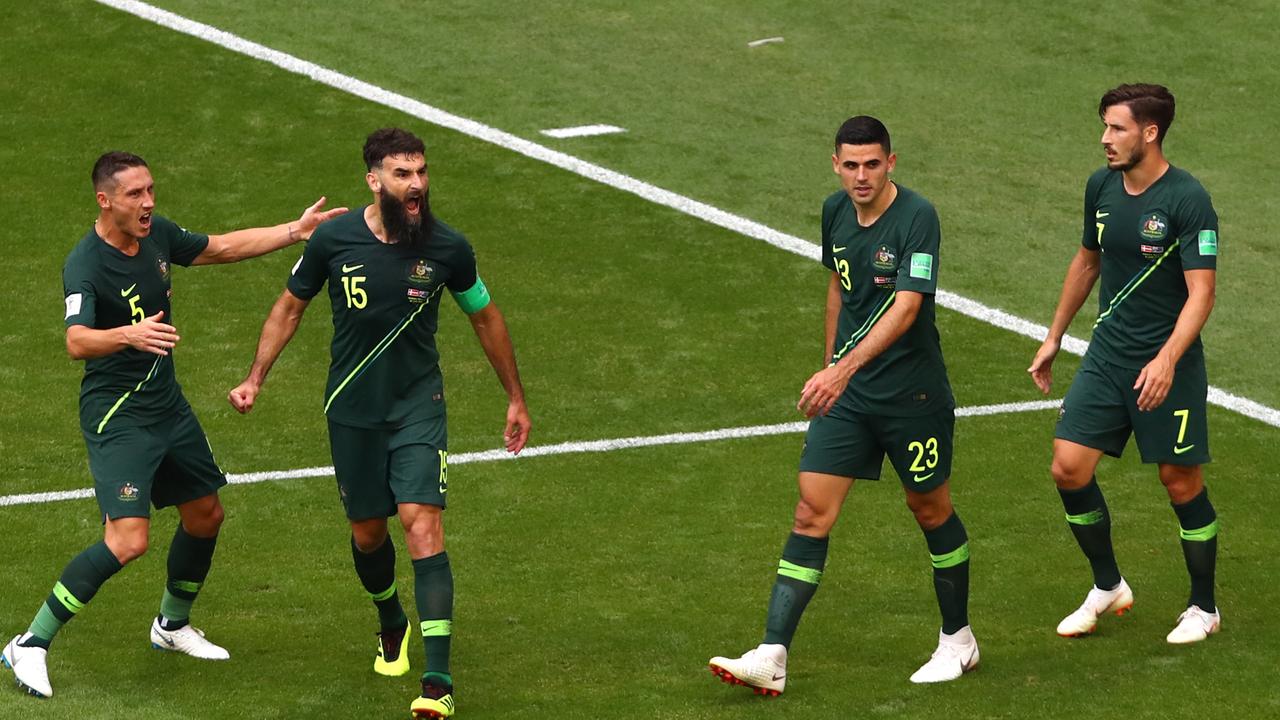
[1151, 232]
[387, 267]
[884, 392]
[145, 444]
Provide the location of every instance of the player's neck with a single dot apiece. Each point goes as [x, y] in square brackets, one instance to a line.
[869, 214]
[1142, 176]
[373, 219]
[115, 237]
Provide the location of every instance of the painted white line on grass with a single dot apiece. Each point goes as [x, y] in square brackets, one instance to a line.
[764, 41]
[715, 216]
[583, 131]
[566, 448]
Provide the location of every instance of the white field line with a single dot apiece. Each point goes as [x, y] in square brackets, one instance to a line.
[652, 193]
[764, 41]
[567, 448]
[582, 131]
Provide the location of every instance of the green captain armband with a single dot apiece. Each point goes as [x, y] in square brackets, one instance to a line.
[473, 300]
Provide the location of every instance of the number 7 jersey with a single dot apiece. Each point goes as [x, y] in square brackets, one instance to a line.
[384, 370]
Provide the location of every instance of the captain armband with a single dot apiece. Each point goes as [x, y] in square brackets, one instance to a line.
[473, 300]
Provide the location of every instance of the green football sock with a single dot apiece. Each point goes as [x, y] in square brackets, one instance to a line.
[433, 591]
[799, 573]
[1199, 530]
[949, 552]
[190, 558]
[79, 583]
[377, 572]
[1090, 522]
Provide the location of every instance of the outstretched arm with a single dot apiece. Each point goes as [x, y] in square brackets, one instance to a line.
[278, 329]
[244, 244]
[1081, 275]
[491, 330]
[827, 385]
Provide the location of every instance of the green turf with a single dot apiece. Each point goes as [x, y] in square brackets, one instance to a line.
[597, 585]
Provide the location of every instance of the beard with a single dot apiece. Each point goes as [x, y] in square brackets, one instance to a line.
[1138, 155]
[402, 227]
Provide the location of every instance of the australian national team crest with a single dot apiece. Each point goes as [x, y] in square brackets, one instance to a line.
[1154, 226]
[163, 266]
[420, 272]
[884, 259]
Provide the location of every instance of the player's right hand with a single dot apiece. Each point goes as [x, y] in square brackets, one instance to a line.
[151, 335]
[1042, 365]
[242, 396]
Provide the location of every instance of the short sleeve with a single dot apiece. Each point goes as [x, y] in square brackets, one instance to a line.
[184, 246]
[1089, 234]
[462, 270]
[1197, 224]
[918, 267]
[312, 269]
[828, 219]
[78, 295]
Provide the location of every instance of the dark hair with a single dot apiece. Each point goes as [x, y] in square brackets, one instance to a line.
[1150, 105]
[390, 141]
[105, 169]
[863, 130]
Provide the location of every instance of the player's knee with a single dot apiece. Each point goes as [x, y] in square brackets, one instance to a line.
[369, 536]
[1068, 475]
[129, 548]
[930, 509]
[811, 520]
[1183, 483]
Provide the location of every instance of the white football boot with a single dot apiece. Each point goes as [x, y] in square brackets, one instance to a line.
[1194, 625]
[28, 666]
[186, 640]
[956, 655]
[763, 669]
[1097, 602]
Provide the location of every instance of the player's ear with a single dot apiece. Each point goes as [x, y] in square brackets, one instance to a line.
[835, 163]
[893, 160]
[1150, 132]
[374, 182]
[104, 202]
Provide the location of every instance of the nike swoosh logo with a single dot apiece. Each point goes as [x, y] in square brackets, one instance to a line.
[125, 293]
[1099, 215]
[779, 677]
[1179, 450]
[835, 249]
[922, 478]
[350, 268]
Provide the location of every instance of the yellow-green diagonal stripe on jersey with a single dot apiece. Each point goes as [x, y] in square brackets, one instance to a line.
[378, 349]
[1134, 283]
[866, 326]
[150, 374]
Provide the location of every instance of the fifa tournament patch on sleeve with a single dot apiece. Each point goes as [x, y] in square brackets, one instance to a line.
[922, 266]
[1208, 240]
[73, 304]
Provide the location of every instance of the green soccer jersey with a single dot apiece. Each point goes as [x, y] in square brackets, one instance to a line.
[104, 288]
[384, 370]
[1147, 241]
[897, 252]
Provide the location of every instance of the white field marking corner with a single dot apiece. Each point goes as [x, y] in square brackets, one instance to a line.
[614, 179]
[566, 448]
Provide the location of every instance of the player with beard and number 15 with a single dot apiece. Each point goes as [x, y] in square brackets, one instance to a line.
[386, 268]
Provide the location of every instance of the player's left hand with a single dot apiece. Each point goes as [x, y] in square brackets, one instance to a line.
[1154, 382]
[822, 390]
[313, 216]
[516, 433]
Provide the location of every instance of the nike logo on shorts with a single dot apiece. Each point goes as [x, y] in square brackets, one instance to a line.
[921, 478]
[1179, 450]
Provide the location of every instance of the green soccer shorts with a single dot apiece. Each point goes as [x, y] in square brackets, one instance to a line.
[854, 445]
[377, 469]
[1101, 410]
[162, 464]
